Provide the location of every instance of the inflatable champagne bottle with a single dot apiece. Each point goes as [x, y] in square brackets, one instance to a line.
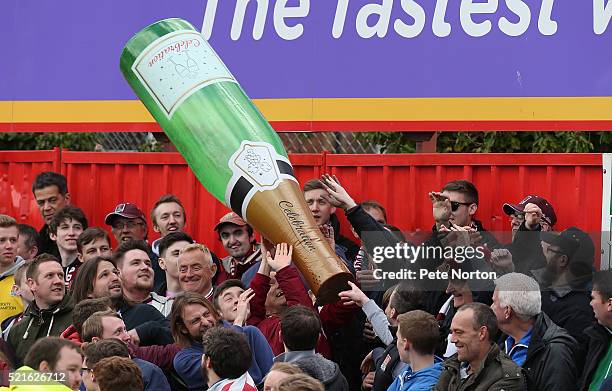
[228, 144]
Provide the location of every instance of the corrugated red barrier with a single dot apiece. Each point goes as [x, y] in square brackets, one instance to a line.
[98, 181]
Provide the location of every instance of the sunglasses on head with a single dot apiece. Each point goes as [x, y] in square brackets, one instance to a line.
[456, 204]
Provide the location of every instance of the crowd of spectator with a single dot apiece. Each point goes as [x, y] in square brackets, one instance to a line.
[76, 313]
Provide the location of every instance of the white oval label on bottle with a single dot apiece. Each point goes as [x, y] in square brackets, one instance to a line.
[175, 66]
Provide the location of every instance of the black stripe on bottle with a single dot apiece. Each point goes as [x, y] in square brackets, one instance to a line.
[285, 168]
[239, 192]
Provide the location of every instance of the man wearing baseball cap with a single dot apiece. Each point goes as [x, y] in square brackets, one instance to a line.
[129, 223]
[533, 213]
[565, 282]
[244, 257]
[528, 218]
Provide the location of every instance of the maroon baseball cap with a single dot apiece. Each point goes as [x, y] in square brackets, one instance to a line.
[127, 210]
[548, 213]
[230, 218]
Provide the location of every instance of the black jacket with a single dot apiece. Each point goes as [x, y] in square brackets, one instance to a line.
[383, 376]
[550, 362]
[526, 249]
[45, 244]
[599, 341]
[569, 308]
[373, 235]
[351, 248]
[152, 327]
[365, 225]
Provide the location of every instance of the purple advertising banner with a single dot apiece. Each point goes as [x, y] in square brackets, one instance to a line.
[68, 50]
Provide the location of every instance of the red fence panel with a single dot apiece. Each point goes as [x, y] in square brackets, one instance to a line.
[17, 172]
[571, 182]
[98, 181]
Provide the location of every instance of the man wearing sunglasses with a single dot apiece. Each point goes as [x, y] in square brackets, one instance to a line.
[454, 208]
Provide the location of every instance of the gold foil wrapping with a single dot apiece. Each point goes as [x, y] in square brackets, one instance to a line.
[282, 216]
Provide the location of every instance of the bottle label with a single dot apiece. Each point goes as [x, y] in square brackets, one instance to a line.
[256, 166]
[177, 65]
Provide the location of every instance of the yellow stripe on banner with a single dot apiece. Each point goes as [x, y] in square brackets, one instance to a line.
[6, 111]
[318, 109]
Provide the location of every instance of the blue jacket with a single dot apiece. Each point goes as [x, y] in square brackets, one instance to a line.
[422, 380]
[188, 362]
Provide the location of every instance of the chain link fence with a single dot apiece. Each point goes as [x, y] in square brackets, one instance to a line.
[128, 141]
[295, 142]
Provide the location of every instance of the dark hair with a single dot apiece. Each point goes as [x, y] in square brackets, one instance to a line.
[224, 286]
[166, 199]
[111, 347]
[86, 308]
[181, 338]
[483, 316]
[407, 297]
[602, 283]
[30, 233]
[33, 266]
[48, 349]
[421, 329]
[90, 235]
[464, 187]
[68, 212]
[172, 238]
[130, 245]
[118, 373]
[228, 350]
[300, 328]
[83, 283]
[46, 179]
[372, 204]
[313, 184]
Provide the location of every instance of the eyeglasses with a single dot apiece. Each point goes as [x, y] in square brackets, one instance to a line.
[456, 204]
[130, 224]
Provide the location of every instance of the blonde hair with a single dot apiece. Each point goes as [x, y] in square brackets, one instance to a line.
[197, 247]
[286, 368]
[7, 221]
[300, 382]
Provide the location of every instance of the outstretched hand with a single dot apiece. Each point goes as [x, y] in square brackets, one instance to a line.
[353, 296]
[264, 267]
[282, 257]
[338, 196]
[441, 207]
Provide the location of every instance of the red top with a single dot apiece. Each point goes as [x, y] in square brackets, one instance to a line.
[333, 316]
